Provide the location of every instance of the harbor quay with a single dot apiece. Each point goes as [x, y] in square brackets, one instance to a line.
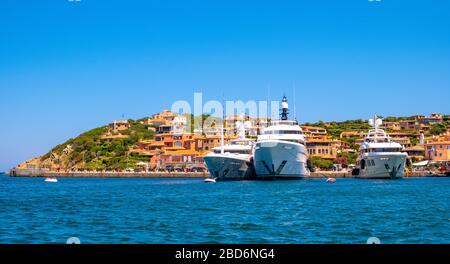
[193, 175]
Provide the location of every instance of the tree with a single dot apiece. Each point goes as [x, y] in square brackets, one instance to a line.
[321, 163]
[350, 157]
[438, 128]
[341, 160]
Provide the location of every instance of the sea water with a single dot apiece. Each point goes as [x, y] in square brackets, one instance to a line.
[413, 210]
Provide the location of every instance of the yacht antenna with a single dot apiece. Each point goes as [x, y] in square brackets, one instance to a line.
[295, 103]
[222, 136]
[268, 105]
[375, 125]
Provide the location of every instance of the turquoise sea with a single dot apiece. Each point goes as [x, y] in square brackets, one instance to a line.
[415, 210]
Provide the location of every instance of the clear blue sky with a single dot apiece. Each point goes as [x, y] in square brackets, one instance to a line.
[66, 67]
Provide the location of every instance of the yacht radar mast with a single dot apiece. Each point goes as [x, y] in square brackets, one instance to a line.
[376, 123]
[284, 109]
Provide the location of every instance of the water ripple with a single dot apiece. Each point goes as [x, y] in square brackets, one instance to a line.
[189, 211]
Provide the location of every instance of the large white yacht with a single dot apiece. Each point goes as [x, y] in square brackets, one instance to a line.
[380, 157]
[280, 151]
[232, 161]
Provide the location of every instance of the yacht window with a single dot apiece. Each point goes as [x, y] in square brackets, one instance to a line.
[293, 140]
[290, 132]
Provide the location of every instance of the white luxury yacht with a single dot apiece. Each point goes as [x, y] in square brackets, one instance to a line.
[232, 161]
[379, 157]
[280, 151]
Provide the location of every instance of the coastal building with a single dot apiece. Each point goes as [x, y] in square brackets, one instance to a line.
[438, 151]
[353, 134]
[211, 131]
[405, 142]
[324, 147]
[252, 128]
[180, 156]
[205, 143]
[404, 139]
[149, 147]
[438, 148]
[314, 132]
[166, 115]
[262, 122]
[163, 129]
[432, 119]
[230, 124]
[171, 148]
[393, 126]
[179, 125]
[416, 153]
[163, 122]
[155, 122]
[119, 125]
[411, 125]
[179, 141]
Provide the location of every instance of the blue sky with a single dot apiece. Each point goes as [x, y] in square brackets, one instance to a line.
[66, 67]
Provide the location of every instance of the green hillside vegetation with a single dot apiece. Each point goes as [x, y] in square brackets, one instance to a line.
[336, 128]
[89, 151]
[343, 158]
[439, 128]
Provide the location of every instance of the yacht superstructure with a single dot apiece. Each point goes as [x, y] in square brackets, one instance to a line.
[232, 161]
[380, 157]
[280, 151]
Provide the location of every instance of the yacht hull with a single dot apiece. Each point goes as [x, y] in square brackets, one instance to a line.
[382, 166]
[275, 159]
[230, 167]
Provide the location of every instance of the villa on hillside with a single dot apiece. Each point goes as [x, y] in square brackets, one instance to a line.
[325, 148]
[416, 153]
[438, 148]
[433, 118]
[119, 125]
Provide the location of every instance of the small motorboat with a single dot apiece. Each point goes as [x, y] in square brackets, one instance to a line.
[51, 180]
[331, 180]
[209, 180]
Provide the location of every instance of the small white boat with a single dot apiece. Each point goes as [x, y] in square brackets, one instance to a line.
[331, 180]
[210, 180]
[51, 180]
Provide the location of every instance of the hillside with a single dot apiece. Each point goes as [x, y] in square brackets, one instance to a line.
[105, 149]
[93, 151]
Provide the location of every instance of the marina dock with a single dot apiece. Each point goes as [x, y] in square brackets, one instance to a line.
[193, 175]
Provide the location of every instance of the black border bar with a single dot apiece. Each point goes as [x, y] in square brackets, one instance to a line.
[281, 253]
